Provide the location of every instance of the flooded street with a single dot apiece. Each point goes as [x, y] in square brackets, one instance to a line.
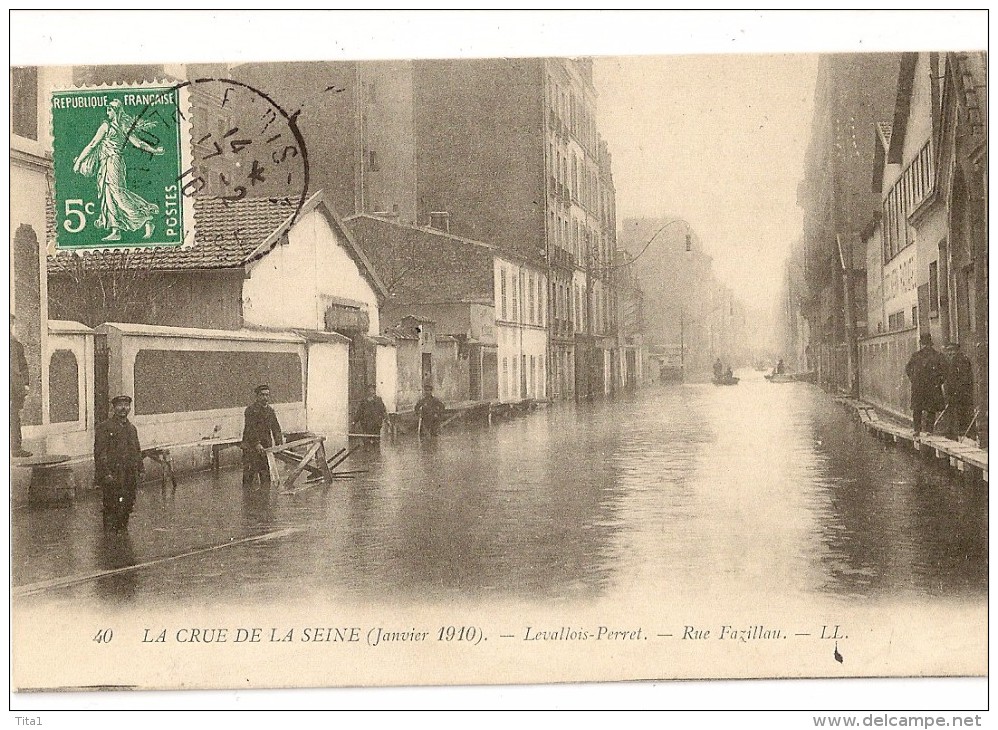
[760, 492]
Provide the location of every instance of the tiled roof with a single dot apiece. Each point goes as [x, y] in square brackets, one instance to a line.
[226, 235]
[424, 264]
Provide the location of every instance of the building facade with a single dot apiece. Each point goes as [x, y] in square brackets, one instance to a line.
[491, 303]
[504, 151]
[306, 278]
[962, 181]
[852, 94]
[926, 247]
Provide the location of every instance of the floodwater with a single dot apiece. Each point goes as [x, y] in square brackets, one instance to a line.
[758, 489]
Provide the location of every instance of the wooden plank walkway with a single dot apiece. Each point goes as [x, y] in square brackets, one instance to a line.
[961, 454]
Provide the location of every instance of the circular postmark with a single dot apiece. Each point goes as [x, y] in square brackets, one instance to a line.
[245, 146]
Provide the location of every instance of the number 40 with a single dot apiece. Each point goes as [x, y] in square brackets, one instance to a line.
[79, 211]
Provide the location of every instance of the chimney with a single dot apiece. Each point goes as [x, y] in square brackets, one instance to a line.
[440, 220]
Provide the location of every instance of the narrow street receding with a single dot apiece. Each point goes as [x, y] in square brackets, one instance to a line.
[765, 489]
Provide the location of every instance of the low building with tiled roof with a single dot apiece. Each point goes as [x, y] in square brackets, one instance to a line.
[210, 284]
[492, 300]
[255, 264]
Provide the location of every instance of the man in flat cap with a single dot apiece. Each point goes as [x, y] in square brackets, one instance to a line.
[117, 464]
[261, 430]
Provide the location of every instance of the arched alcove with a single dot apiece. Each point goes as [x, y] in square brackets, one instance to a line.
[27, 312]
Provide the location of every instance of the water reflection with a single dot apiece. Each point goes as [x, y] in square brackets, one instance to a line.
[897, 522]
[258, 506]
[113, 550]
[757, 492]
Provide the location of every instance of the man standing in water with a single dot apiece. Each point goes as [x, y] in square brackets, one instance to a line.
[959, 387]
[371, 413]
[117, 464]
[261, 430]
[430, 412]
[926, 370]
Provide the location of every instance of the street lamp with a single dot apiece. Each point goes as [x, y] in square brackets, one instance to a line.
[682, 308]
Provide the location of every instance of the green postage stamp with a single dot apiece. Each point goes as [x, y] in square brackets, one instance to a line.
[119, 158]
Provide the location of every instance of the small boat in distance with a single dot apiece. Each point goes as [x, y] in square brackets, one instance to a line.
[803, 377]
[780, 378]
[725, 380]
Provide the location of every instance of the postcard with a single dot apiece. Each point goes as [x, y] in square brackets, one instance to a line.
[498, 369]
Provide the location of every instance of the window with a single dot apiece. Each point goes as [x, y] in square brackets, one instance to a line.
[516, 296]
[505, 377]
[24, 101]
[910, 190]
[528, 314]
[579, 324]
[934, 288]
[502, 288]
[542, 302]
[533, 375]
[372, 161]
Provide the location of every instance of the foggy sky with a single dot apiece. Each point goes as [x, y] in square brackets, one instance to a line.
[717, 140]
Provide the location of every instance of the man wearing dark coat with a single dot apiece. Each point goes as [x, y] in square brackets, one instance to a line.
[959, 390]
[926, 370]
[430, 412]
[371, 413]
[19, 383]
[261, 430]
[117, 464]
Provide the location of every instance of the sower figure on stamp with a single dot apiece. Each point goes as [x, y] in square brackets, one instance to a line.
[19, 384]
[959, 387]
[430, 412]
[371, 413]
[926, 370]
[261, 430]
[118, 464]
[120, 208]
